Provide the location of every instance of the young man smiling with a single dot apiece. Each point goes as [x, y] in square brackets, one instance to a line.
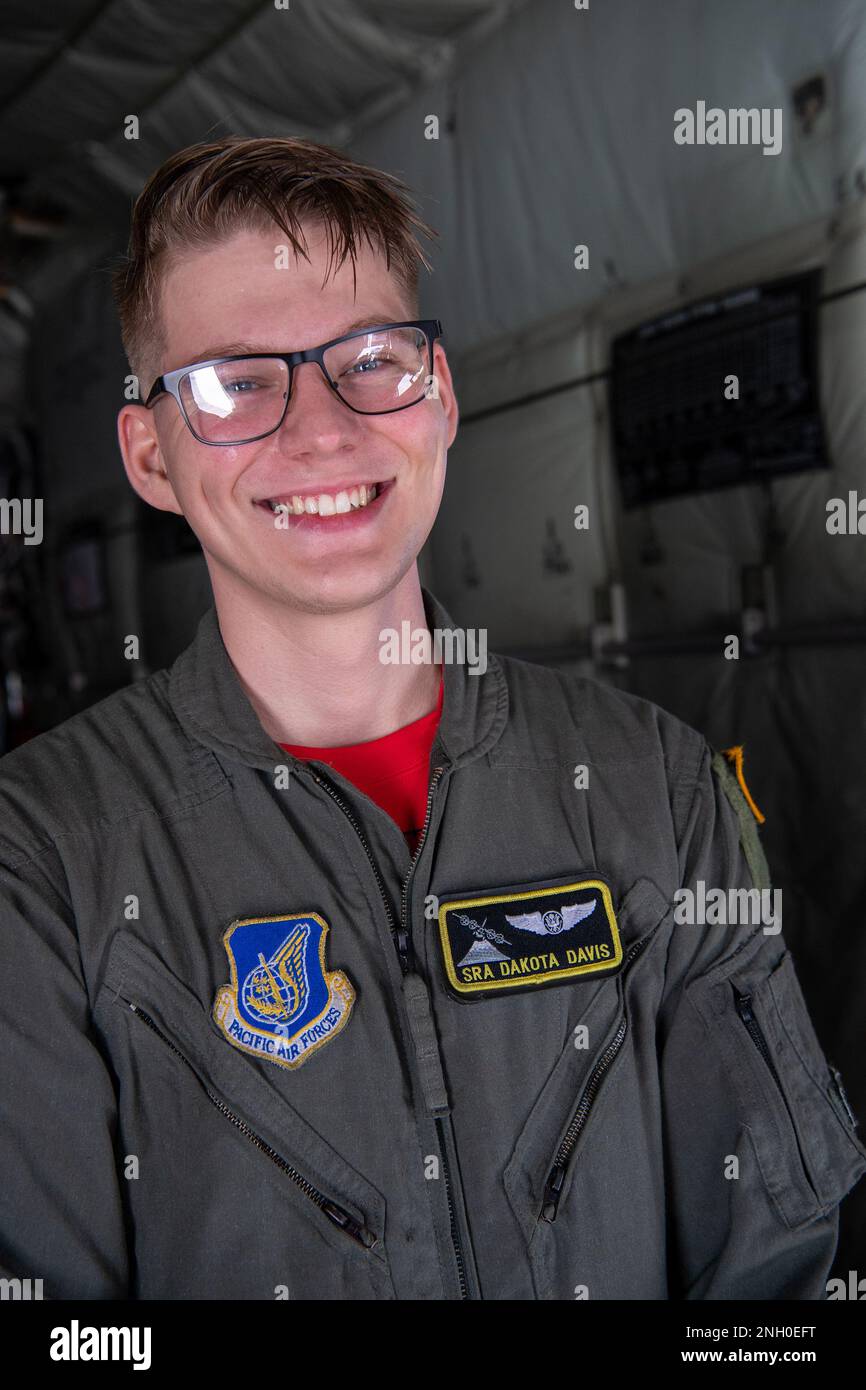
[326, 977]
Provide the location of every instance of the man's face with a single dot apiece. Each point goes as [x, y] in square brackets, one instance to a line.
[234, 293]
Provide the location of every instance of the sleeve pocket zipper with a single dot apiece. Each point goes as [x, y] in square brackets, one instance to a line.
[743, 1004]
[335, 1213]
[841, 1093]
[556, 1177]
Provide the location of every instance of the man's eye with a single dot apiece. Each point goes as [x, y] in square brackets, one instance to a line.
[358, 369]
[242, 385]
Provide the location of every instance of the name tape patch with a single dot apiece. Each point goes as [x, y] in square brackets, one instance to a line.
[519, 939]
[281, 1003]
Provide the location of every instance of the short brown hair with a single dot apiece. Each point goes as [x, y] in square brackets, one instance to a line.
[206, 192]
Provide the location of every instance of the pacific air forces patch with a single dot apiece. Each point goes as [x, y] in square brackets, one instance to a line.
[522, 938]
[281, 1003]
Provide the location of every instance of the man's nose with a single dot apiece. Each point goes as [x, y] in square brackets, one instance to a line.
[311, 388]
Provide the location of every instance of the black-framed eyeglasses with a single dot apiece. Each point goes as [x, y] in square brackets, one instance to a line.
[237, 400]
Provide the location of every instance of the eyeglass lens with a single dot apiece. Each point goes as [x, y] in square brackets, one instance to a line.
[373, 373]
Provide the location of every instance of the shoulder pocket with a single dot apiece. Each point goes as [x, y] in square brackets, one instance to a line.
[790, 1100]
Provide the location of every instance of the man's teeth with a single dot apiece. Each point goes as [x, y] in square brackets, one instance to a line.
[327, 503]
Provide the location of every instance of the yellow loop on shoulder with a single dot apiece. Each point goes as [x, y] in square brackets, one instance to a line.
[735, 756]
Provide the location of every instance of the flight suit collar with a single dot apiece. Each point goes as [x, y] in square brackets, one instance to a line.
[213, 708]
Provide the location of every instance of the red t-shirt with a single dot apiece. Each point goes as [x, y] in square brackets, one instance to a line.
[393, 770]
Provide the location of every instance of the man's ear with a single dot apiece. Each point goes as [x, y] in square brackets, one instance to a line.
[143, 460]
[445, 389]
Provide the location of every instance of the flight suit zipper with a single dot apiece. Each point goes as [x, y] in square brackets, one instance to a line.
[556, 1177]
[404, 942]
[406, 957]
[452, 1218]
[400, 933]
[334, 1212]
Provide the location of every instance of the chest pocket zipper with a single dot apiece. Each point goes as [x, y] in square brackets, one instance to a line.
[557, 1175]
[332, 1210]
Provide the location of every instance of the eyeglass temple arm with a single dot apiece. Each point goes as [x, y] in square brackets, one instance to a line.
[157, 389]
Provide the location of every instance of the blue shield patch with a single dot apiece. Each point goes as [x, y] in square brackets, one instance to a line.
[281, 1003]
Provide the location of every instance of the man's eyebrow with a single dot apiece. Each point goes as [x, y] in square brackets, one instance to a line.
[229, 350]
[238, 349]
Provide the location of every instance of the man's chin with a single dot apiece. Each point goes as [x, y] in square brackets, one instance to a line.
[339, 589]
